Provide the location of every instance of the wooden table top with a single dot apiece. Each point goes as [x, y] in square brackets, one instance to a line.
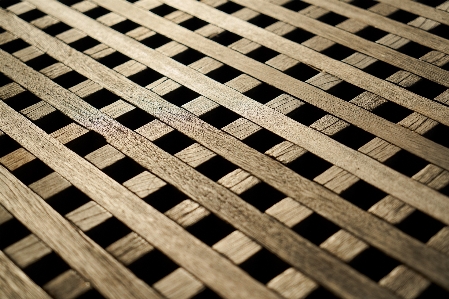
[224, 149]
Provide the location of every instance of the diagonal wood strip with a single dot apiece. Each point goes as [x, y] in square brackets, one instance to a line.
[365, 16]
[373, 172]
[110, 278]
[420, 9]
[14, 283]
[153, 226]
[303, 54]
[353, 41]
[343, 213]
[352, 113]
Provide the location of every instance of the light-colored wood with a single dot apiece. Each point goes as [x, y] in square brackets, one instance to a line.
[343, 112]
[50, 185]
[179, 285]
[88, 216]
[292, 285]
[16, 159]
[144, 184]
[144, 220]
[104, 156]
[129, 248]
[287, 244]
[395, 248]
[187, 213]
[27, 251]
[405, 282]
[68, 285]
[237, 247]
[104, 272]
[15, 284]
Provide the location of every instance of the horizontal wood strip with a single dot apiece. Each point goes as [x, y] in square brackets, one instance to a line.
[342, 212]
[420, 36]
[347, 39]
[109, 277]
[14, 283]
[303, 54]
[420, 9]
[373, 172]
[218, 273]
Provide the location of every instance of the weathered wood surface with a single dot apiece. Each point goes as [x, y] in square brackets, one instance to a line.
[153, 148]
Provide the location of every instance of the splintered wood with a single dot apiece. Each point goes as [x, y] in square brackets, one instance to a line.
[190, 149]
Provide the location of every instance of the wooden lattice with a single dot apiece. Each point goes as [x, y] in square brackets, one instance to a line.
[224, 149]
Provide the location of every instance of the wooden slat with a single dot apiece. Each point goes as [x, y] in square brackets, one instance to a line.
[106, 274]
[136, 214]
[15, 284]
[350, 74]
[342, 213]
[350, 40]
[27, 251]
[145, 220]
[340, 108]
[373, 172]
[381, 22]
[420, 9]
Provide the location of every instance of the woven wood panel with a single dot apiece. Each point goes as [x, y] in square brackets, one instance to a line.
[224, 149]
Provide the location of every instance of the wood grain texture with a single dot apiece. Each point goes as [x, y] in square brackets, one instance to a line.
[15, 284]
[331, 104]
[343, 214]
[106, 274]
[287, 244]
[374, 173]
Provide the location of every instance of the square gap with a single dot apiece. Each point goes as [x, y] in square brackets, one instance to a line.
[114, 59]
[193, 24]
[31, 15]
[226, 38]
[309, 165]
[84, 43]
[363, 195]
[210, 229]
[174, 142]
[180, 96]
[338, 52]
[86, 143]
[262, 140]
[220, 117]
[135, 118]
[188, 56]
[46, 268]
[262, 196]
[420, 226]
[53, 121]
[101, 98]
[262, 21]
[152, 267]
[145, 77]
[307, 114]
[426, 88]
[14, 46]
[371, 33]
[125, 26]
[68, 200]
[264, 266]
[414, 49]
[32, 171]
[123, 170]
[263, 93]
[316, 228]
[165, 198]
[406, 163]
[69, 79]
[381, 69]
[353, 137]
[229, 7]
[439, 134]
[374, 263]
[216, 168]
[108, 232]
[298, 35]
[155, 41]
[345, 91]
[12, 231]
[96, 12]
[163, 10]
[22, 100]
[332, 18]
[41, 62]
[296, 5]
[402, 16]
[392, 112]
[224, 74]
[301, 72]
[262, 54]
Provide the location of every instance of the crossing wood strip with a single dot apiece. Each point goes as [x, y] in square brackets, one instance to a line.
[15, 284]
[215, 271]
[420, 9]
[303, 54]
[365, 16]
[110, 278]
[373, 172]
[323, 100]
[347, 39]
[342, 213]
[284, 242]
